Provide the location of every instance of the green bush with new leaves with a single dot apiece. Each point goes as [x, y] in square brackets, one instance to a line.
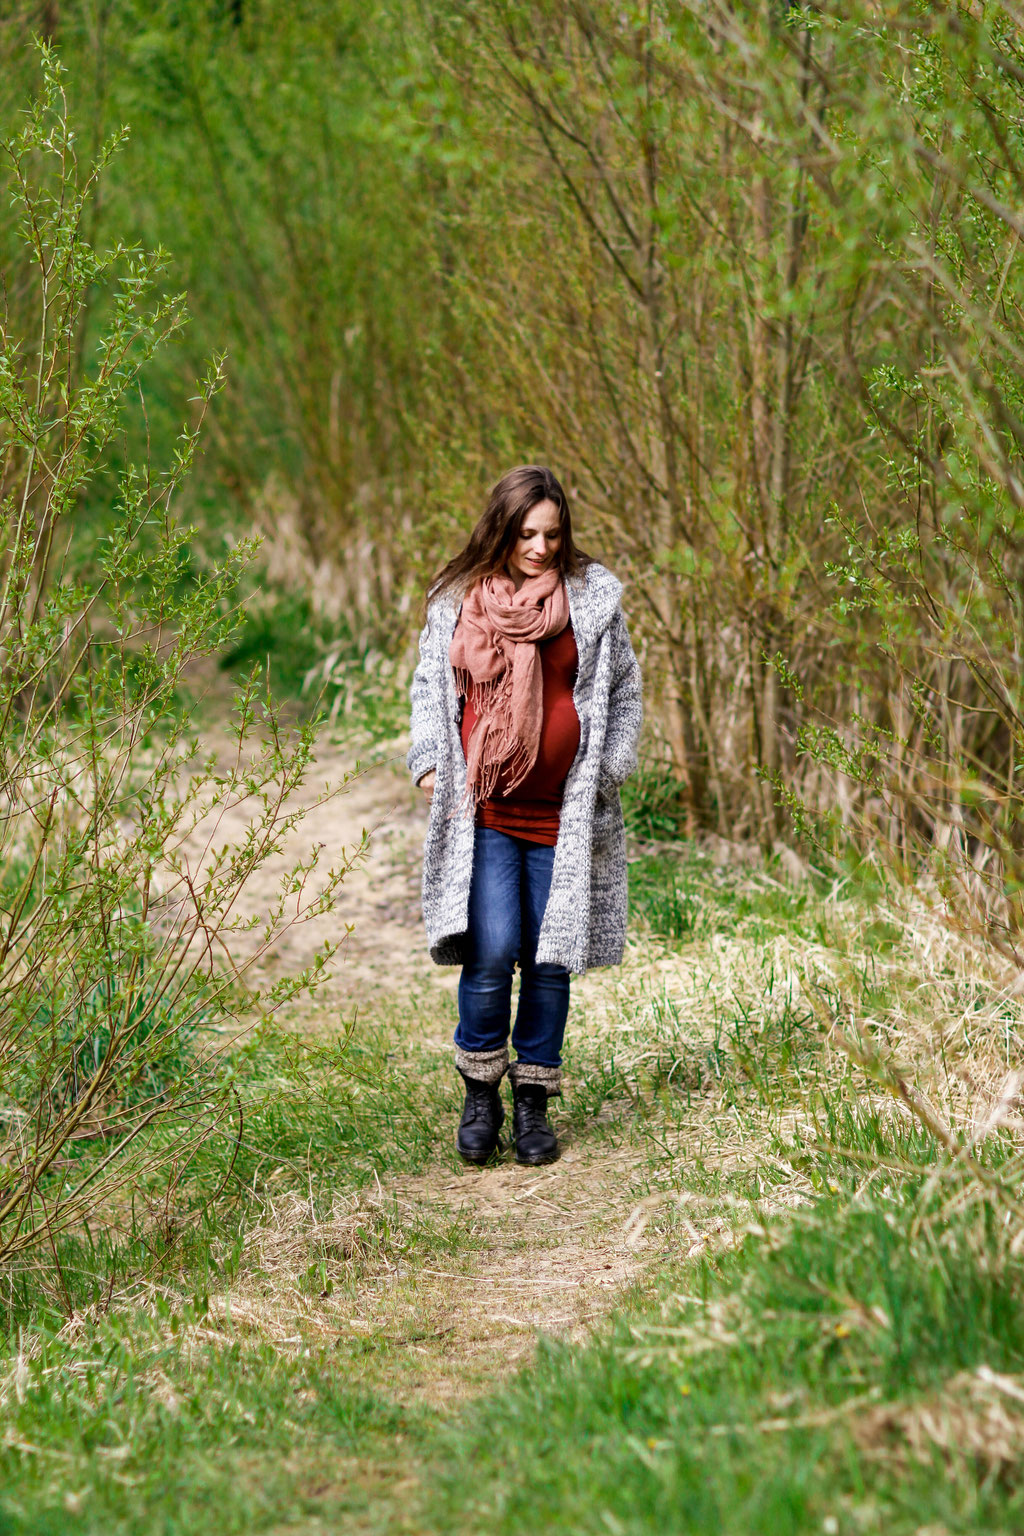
[748, 276]
[122, 962]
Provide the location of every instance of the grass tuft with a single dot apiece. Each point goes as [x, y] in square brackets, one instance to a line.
[848, 1369]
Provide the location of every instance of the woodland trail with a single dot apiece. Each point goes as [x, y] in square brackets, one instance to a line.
[331, 1355]
[459, 1271]
[418, 1289]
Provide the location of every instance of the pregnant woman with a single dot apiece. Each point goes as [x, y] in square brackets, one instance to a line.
[526, 712]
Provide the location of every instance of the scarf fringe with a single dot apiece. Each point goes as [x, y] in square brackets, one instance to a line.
[500, 642]
[494, 748]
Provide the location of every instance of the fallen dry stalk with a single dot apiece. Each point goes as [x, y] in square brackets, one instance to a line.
[884, 1071]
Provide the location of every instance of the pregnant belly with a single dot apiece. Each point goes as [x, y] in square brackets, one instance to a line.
[559, 743]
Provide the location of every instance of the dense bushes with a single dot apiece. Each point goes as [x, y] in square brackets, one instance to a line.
[122, 958]
[748, 276]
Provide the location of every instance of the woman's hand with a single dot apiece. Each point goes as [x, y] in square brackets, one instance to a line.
[427, 784]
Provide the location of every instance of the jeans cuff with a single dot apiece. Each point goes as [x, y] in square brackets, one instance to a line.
[548, 1078]
[482, 1066]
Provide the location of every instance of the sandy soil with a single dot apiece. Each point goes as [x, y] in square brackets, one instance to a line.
[380, 898]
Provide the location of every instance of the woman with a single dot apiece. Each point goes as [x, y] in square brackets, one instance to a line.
[525, 717]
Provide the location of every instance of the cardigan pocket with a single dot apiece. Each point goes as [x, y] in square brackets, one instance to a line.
[608, 819]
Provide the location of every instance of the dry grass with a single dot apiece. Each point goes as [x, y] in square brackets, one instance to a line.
[441, 1282]
[693, 1121]
[978, 1415]
[911, 995]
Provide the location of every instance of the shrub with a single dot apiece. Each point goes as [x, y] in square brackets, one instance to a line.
[119, 933]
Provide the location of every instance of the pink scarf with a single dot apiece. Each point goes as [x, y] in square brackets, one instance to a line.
[494, 653]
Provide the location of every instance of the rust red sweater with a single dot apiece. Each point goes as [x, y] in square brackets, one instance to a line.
[531, 811]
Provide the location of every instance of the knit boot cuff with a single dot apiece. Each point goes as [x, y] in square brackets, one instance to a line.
[482, 1066]
[548, 1078]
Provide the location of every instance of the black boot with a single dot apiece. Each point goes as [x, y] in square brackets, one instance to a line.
[482, 1117]
[536, 1142]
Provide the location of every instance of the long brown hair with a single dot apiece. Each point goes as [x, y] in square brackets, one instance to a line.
[494, 536]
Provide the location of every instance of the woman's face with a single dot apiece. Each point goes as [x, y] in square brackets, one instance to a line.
[538, 543]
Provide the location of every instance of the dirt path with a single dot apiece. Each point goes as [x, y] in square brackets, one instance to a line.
[530, 1251]
[380, 896]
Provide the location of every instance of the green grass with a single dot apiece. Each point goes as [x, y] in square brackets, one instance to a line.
[134, 1430]
[322, 666]
[156, 1417]
[730, 1405]
[683, 896]
[776, 1388]
[654, 802]
[314, 1116]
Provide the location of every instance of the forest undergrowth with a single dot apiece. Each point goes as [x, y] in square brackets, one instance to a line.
[755, 1293]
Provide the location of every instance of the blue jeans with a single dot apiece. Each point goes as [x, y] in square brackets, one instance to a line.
[507, 897]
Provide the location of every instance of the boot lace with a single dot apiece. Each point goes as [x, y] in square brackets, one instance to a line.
[532, 1112]
[481, 1099]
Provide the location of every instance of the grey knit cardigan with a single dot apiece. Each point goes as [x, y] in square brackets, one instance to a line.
[585, 918]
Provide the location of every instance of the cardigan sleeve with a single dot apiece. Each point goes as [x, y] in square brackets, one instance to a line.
[625, 709]
[423, 753]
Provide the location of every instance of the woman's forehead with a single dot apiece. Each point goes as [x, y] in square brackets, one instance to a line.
[543, 515]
